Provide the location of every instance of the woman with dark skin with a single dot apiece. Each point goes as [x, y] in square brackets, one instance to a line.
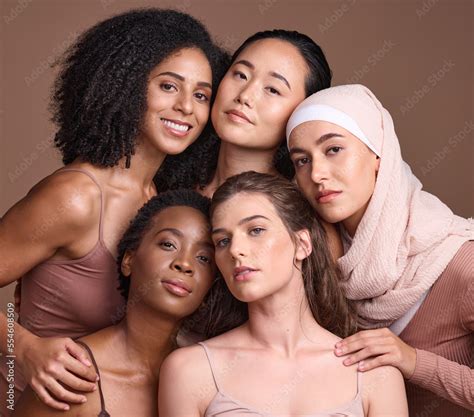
[166, 266]
[132, 90]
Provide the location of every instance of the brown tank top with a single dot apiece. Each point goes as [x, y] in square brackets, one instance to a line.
[72, 298]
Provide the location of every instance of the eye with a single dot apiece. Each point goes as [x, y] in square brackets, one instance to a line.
[301, 161]
[256, 231]
[201, 97]
[334, 149]
[240, 75]
[167, 245]
[273, 91]
[168, 87]
[222, 243]
[205, 259]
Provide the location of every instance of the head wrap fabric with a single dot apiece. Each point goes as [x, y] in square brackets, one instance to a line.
[407, 236]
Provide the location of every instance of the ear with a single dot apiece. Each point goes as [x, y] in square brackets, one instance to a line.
[303, 245]
[126, 266]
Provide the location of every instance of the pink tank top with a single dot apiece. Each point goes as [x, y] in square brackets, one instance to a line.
[223, 405]
[72, 298]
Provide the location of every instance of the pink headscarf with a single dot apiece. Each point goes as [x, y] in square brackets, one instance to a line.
[407, 236]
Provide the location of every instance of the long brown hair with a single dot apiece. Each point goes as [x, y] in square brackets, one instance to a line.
[326, 299]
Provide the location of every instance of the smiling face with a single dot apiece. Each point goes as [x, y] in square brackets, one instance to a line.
[335, 171]
[178, 101]
[258, 93]
[173, 267]
[254, 250]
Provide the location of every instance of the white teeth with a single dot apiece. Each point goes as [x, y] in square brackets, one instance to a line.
[175, 126]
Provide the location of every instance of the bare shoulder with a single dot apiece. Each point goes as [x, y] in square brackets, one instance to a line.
[177, 361]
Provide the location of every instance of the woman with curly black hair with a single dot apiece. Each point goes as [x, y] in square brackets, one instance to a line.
[132, 90]
[166, 266]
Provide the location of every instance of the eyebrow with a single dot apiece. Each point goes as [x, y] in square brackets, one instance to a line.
[180, 234]
[241, 222]
[319, 141]
[181, 78]
[272, 73]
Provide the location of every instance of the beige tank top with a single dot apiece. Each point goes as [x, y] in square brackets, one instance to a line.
[224, 405]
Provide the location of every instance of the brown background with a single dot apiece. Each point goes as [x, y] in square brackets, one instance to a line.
[417, 56]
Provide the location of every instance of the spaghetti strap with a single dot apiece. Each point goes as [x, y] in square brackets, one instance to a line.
[103, 411]
[91, 176]
[359, 382]
[208, 354]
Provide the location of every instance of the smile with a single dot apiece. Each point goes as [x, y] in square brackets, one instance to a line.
[176, 126]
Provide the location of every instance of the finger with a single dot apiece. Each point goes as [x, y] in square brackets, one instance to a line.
[362, 335]
[357, 345]
[75, 350]
[61, 393]
[368, 352]
[369, 364]
[46, 398]
[68, 377]
[89, 375]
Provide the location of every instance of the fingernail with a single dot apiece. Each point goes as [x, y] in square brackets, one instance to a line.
[97, 378]
[361, 365]
[338, 344]
[83, 399]
[88, 363]
[347, 362]
[338, 351]
[66, 408]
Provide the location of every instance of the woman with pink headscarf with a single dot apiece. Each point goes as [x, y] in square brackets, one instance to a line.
[408, 260]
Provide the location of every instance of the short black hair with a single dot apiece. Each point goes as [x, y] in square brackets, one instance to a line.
[143, 222]
[99, 97]
[318, 78]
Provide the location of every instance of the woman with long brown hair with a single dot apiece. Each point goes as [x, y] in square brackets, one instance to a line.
[279, 335]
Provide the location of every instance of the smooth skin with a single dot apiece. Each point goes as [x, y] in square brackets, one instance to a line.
[129, 354]
[281, 351]
[328, 157]
[179, 88]
[265, 83]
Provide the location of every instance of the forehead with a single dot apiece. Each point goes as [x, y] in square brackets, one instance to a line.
[188, 62]
[190, 221]
[306, 134]
[243, 205]
[275, 55]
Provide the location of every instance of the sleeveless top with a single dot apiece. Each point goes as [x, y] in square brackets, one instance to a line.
[71, 298]
[223, 405]
[103, 412]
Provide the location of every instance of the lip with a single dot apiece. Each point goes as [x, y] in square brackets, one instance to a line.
[243, 273]
[176, 132]
[177, 287]
[238, 116]
[325, 196]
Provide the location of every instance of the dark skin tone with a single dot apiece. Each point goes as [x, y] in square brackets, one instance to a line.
[129, 354]
[69, 204]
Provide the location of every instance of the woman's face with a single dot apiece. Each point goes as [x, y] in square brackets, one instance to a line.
[174, 266]
[254, 250]
[335, 171]
[178, 101]
[258, 94]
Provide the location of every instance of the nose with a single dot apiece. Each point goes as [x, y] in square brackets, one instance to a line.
[246, 96]
[183, 264]
[319, 171]
[184, 103]
[237, 248]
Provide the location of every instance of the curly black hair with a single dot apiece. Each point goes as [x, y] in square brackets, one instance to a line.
[99, 97]
[318, 78]
[143, 222]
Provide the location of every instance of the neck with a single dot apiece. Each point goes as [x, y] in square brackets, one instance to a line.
[149, 337]
[144, 164]
[233, 160]
[283, 321]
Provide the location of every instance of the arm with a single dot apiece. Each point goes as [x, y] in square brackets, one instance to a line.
[50, 217]
[185, 390]
[384, 393]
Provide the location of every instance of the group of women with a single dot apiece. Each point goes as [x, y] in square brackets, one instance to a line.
[318, 281]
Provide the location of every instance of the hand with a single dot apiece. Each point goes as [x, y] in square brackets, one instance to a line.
[47, 363]
[374, 348]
